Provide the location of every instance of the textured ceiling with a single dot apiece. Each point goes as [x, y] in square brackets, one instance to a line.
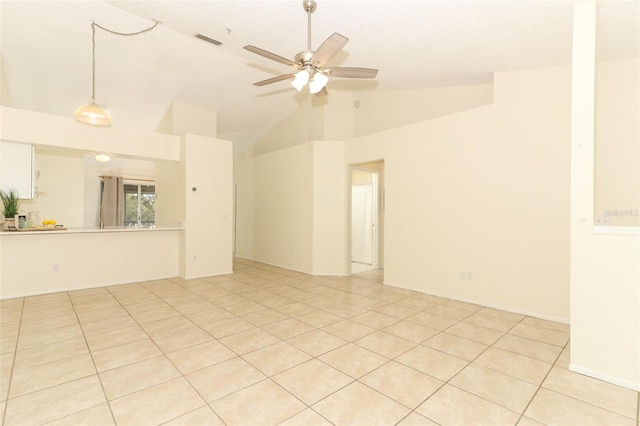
[46, 51]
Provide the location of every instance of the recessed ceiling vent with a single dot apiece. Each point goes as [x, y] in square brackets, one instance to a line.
[208, 39]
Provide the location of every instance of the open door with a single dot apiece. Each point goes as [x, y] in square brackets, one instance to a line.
[365, 217]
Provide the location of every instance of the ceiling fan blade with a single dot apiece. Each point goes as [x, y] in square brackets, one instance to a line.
[274, 79]
[328, 49]
[350, 72]
[270, 55]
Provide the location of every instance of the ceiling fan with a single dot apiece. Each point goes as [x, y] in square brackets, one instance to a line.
[309, 65]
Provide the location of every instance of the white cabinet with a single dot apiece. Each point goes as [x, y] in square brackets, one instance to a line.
[17, 168]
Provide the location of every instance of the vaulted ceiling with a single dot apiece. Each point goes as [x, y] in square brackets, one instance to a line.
[46, 51]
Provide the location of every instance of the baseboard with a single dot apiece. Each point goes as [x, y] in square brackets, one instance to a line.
[483, 303]
[605, 377]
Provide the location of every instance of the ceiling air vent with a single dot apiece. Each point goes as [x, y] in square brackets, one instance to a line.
[208, 39]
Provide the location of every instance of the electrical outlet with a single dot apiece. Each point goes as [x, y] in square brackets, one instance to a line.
[55, 267]
[465, 275]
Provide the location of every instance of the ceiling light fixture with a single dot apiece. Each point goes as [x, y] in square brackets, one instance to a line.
[318, 82]
[301, 79]
[92, 113]
[102, 158]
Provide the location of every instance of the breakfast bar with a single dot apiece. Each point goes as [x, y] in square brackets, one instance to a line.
[36, 262]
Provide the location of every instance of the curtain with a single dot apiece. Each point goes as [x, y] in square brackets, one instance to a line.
[112, 207]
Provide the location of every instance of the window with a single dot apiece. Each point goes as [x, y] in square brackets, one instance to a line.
[139, 205]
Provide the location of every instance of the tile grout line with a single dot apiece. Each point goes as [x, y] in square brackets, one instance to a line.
[542, 382]
[93, 361]
[164, 355]
[328, 284]
[464, 368]
[13, 364]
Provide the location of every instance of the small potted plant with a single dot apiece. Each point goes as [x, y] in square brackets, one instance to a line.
[11, 204]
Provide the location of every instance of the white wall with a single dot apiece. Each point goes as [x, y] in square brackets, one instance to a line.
[605, 269]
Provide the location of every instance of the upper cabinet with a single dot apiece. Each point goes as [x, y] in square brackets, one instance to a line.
[17, 168]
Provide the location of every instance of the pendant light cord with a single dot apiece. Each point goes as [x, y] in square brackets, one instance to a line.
[93, 44]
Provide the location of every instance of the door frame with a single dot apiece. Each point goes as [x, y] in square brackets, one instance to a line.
[375, 215]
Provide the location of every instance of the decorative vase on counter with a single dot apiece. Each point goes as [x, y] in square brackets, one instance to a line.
[9, 224]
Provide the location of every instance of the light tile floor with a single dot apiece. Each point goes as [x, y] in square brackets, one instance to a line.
[271, 346]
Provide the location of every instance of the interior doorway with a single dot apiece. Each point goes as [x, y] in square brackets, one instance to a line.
[367, 217]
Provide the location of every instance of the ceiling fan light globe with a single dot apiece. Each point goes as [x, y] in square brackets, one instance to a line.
[300, 80]
[318, 82]
[93, 115]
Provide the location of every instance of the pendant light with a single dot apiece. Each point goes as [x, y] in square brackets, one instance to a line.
[102, 157]
[92, 113]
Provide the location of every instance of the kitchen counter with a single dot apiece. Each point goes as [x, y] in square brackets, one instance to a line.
[58, 231]
[38, 262]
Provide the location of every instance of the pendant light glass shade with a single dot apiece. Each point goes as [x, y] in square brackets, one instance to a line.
[301, 79]
[93, 115]
[318, 82]
[103, 158]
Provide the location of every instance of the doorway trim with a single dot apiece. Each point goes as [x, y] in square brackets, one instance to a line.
[378, 202]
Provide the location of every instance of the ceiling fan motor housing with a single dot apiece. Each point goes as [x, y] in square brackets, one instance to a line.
[304, 59]
[309, 5]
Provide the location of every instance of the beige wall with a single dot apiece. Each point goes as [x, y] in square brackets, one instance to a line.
[304, 125]
[343, 115]
[60, 185]
[378, 111]
[182, 118]
[243, 178]
[488, 191]
[84, 260]
[283, 208]
[329, 208]
[483, 191]
[292, 208]
[208, 209]
[63, 132]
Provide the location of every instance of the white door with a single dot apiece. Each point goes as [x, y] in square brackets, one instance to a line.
[362, 226]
